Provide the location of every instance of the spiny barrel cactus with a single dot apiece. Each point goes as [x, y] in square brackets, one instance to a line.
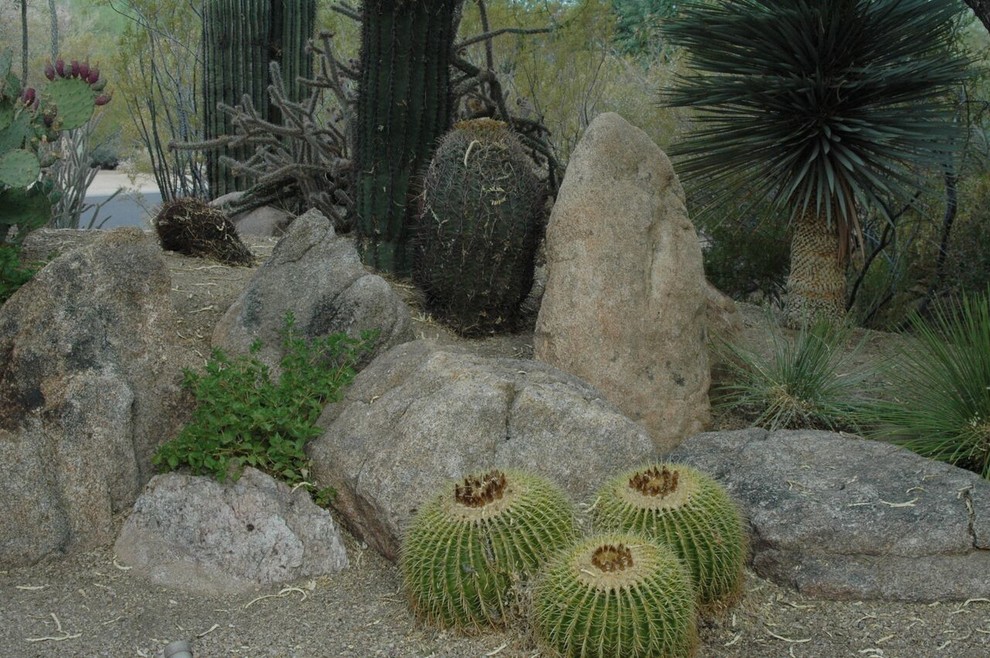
[467, 547]
[29, 118]
[476, 240]
[404, 106]
[687, 510]
[616, 596]
[240, 39]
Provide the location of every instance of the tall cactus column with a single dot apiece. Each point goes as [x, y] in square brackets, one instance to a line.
[404, 107]
[240, 38]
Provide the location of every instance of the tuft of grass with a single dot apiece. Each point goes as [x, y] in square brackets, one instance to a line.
[243, 418]
[805, 383]
[940, 407]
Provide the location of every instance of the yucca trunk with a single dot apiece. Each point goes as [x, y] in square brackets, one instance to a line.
[816, 285]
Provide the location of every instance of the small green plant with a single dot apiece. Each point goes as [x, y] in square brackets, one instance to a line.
[687, 510]
[806, 382]
[616, 596]
[941, 402]
[13, 273]
[243, 418]
[470, 545]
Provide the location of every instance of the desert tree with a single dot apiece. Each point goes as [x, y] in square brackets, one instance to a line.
[825, 107]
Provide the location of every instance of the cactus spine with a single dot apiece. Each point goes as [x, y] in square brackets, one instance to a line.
[466, 549]
[687, 510]
[616, 596]
[240, 39]
[404, 105]
[476, 240]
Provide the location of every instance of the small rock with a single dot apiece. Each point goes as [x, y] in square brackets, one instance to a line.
[196, 534]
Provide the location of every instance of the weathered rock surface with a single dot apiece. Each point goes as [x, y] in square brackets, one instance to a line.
[265, 221]
[624, 305]
[198, 535]
[320, 279]
[89, 388]
[420, 416]
[839, 517]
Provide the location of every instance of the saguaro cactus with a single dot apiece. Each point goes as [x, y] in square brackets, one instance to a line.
[240, 39]
[404, 106]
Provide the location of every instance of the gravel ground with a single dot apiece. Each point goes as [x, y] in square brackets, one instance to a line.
[86, 605]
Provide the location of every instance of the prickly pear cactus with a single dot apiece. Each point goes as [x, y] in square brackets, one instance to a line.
[616, 596]
[690, 512]
[465, 550]
[27, 119]
[476, 240]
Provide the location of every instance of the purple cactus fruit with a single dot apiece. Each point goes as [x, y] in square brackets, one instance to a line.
[60, 67]
[74, 69]
[93, 76]
[49, 70]
[102, 99]
[28, 96]
[83, 70]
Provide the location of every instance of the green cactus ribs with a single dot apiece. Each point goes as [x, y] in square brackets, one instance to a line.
[616, 596]
[689, 511]
[466, 550]
[404, 105]
[240, 40]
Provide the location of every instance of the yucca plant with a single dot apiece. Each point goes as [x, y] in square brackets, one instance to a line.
[823, 106]
[940, 407]
[807, 382]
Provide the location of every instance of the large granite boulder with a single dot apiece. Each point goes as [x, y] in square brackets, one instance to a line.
[624, 305]
[318, 277]
[198, 535]
[90, 369]
[839, 517]
[420, 416]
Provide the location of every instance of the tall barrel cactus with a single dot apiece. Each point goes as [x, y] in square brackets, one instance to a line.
[240, 39]
[29, 118]
[404, 106]
[476, 240]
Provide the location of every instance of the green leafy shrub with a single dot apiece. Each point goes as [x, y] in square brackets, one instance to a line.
[13, 273]
[243, 418]
[940, 407]
[803, 383]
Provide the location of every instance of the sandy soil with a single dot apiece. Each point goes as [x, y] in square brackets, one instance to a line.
[87, 605]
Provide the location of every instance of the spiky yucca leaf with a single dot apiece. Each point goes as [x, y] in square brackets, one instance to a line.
[824, 103]
[941, 406]
[805, 382]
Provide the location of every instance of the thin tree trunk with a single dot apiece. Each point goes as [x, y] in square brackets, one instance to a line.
[24, 43]
[816, 285]
[53, 11]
